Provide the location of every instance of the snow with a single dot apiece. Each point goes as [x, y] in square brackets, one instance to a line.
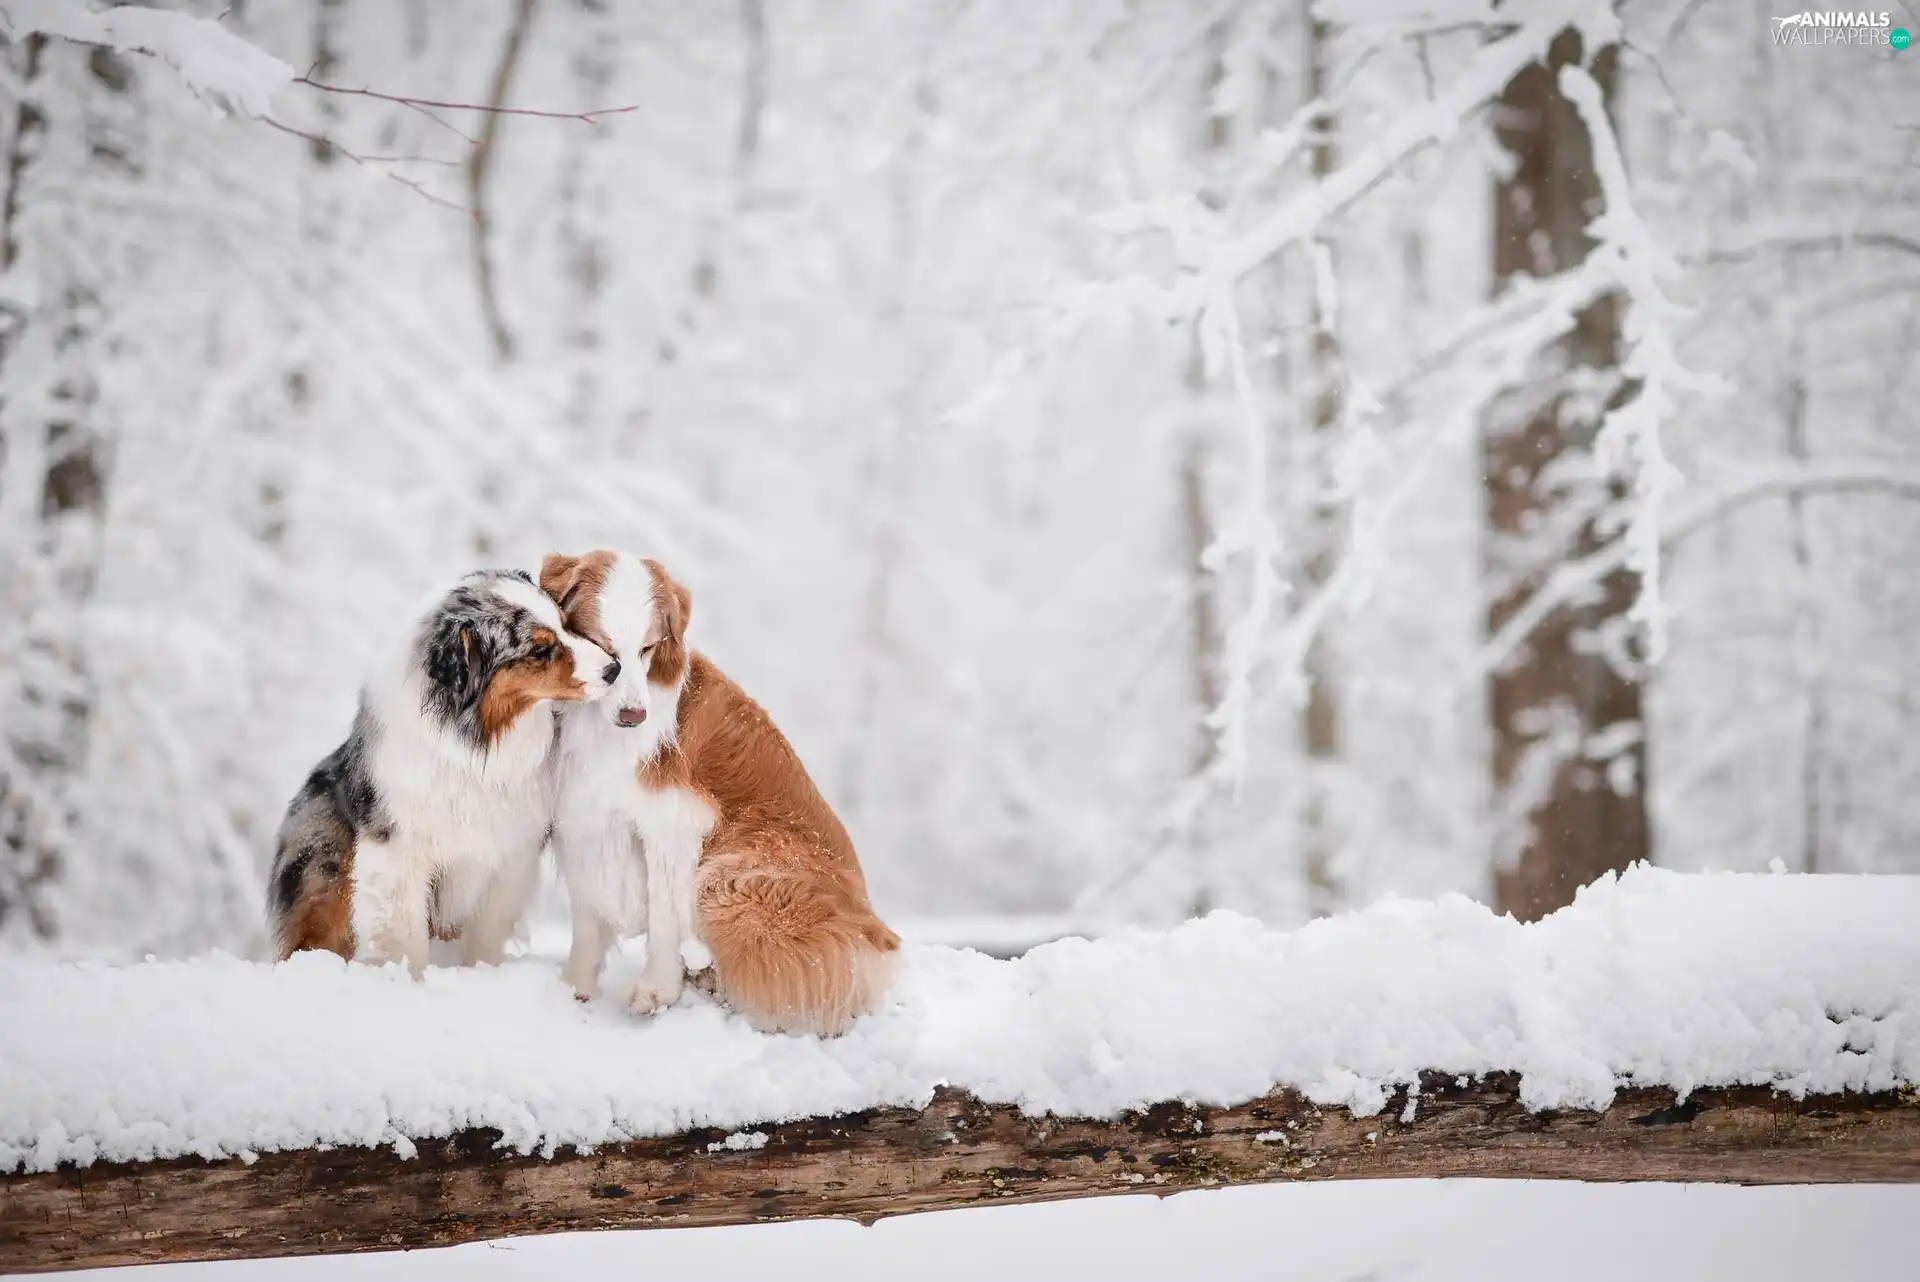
[228, 73]
[1343, 1231]
[997, 934]
[1629, 439]
[1808, 984]
[739, 1142]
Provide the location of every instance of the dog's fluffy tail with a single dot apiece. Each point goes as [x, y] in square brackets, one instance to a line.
[795, 950]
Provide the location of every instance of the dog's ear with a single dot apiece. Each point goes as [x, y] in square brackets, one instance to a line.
[454, 661]
[676, 608]
[559, 576]
[676, 603]
[683, 599]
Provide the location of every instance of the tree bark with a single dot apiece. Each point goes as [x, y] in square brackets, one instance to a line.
[29, 848]
[1808, 655]
[1320, 718]
[1205, 635]
[480, 168]
[1572, 816]
[586, 208]
[57, 444]
[956, 1152]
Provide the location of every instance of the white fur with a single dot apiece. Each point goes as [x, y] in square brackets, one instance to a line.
[627, 852]
[473, 820]
[630, 618]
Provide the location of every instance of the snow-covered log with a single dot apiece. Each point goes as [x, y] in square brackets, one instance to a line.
[956, 1152]
[1664, 1026]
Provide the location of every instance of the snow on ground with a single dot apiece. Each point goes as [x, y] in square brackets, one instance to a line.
[1381, 1230]
[1807, 983]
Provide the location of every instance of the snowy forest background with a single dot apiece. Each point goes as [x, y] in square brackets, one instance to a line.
[1148, 457]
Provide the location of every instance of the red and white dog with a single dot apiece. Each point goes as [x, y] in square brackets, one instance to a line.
[683, 812]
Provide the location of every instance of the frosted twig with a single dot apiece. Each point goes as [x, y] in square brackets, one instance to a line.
[1802, 244]
[1629, 437]
[1300, 217]
[1415, 130]
[1253, 533]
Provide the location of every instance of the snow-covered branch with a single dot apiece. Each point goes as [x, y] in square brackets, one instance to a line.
[1654, 980]
[1414, 130]
[1802, 241]
[878, 1164]
[1250, 534]
[228, 73]
[1573, 581]
[219, 1058]
[1629, 439]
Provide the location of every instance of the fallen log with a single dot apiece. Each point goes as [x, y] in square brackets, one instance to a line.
[956, 1152]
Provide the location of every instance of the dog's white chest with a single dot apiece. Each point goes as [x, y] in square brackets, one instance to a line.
[611, 832]
[456, 806]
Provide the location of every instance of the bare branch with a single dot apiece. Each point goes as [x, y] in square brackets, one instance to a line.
[1802, 245]
[486, 108]
[375, 161]
[1843, 478]
[445, 124]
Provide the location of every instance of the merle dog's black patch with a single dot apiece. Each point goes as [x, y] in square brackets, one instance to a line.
[464, 642]
[313, 857]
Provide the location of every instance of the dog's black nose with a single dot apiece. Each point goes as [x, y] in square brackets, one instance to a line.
[611, 673]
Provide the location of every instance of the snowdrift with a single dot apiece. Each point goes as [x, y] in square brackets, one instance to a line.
[1804, 984]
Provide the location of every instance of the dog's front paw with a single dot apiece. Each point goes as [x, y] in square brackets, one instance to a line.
[654, 993]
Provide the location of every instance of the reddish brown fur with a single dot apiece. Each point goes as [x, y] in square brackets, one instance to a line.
[672, 611]
[779, 897]
[574, 583]
[322, 918]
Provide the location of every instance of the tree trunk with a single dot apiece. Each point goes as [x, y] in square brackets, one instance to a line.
[1808, 659]
[327, 21]
[1320, 718]
[1205, 636]
[586, 250]
[956, 1152]
[1568, 753]
[29, 845]
[480, 169]
[1203, 623]
[55, 452]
